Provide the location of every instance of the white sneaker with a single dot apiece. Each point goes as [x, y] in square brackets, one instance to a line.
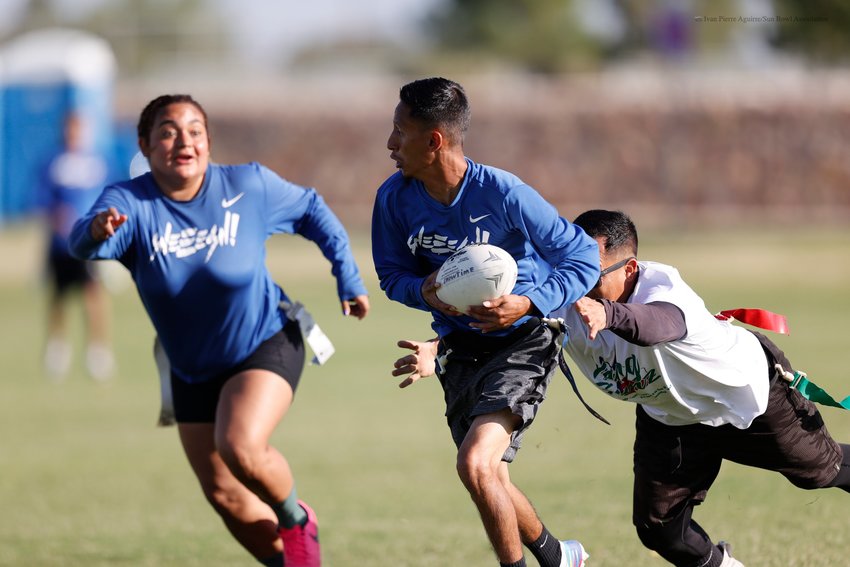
[573, 554]
[100, 362]
[728, 560]
[57, 358]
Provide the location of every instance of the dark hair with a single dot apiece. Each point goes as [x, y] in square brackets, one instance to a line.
[438, 102]
[617, 228]
[148, 115]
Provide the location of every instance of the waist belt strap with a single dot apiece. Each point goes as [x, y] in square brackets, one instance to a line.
[319, 342]
[800, 382]
[797, 380]
[560, 325]
[568, 373]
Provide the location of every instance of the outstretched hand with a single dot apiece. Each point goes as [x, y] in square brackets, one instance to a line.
[419, 364]
[593, 314]
[105, 223]
[359, 306]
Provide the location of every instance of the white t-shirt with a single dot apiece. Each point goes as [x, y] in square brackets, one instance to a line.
[716, 374]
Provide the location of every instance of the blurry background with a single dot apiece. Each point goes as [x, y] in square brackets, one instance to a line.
[722, 127]
[688, 111]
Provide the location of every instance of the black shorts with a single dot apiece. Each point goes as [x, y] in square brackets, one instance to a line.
[282, 354]
[676, 465]
[67, 272]
[485, 375]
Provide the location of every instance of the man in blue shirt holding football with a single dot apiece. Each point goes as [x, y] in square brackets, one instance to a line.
[498, 356]
[192, 234]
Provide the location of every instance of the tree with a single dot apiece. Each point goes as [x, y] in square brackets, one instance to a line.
[817, 29]
[540, 35]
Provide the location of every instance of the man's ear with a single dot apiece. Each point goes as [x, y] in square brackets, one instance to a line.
[436, 141]
[144, 147]
[631, 267]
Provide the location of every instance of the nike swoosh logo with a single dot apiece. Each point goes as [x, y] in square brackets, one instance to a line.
[227, 203]
[474, 220]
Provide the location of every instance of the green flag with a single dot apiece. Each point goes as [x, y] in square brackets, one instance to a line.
[815, 393]
[809, 390]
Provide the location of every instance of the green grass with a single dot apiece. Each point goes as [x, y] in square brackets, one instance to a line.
[86, 479]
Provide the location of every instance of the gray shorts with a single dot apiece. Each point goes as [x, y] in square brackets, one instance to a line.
[485, 375]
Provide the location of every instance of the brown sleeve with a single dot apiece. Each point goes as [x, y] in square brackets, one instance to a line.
[645, 324]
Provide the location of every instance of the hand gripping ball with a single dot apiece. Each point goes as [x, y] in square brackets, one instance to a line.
[474, 274]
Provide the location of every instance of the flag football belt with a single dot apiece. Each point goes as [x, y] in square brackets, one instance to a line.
[321, 345]
[312, 334]
[560, 325]
[797, 380]
[800, 382]
[472, 346]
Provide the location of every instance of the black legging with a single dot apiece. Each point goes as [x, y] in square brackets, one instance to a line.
[680, 540]
[842, 479]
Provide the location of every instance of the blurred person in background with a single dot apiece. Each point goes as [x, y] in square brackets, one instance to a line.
[501, 356]
[706, 391]
[73, 179]
[192, 234]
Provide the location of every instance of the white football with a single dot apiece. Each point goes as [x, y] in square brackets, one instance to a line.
[474, 274]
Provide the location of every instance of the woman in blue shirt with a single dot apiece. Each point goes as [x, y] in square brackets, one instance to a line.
[192, 234]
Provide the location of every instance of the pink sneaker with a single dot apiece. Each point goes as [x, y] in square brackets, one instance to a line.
[301, 543]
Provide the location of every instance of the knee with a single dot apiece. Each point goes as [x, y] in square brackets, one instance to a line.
[244, 459]
[474, 470]
[222, 498]
[658, 537]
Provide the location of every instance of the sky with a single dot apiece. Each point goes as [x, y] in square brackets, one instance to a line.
[263, 26]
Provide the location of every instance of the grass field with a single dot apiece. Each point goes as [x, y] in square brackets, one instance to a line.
[86, 479]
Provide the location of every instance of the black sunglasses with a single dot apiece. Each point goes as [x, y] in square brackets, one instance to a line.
[612, 268]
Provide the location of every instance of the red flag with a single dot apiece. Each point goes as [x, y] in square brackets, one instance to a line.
[757, 318]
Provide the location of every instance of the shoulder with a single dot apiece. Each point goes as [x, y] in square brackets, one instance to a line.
[393, 185]
[136, 189]
[659, 275]
[491, 177]
[246, 177]
[660, 282]
[494, 184]
[237, 171]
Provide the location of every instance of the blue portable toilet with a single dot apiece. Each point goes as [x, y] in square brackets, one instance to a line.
[44, 76]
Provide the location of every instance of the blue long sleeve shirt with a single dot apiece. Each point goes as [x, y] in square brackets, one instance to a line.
[199, 265]
[413, 234]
